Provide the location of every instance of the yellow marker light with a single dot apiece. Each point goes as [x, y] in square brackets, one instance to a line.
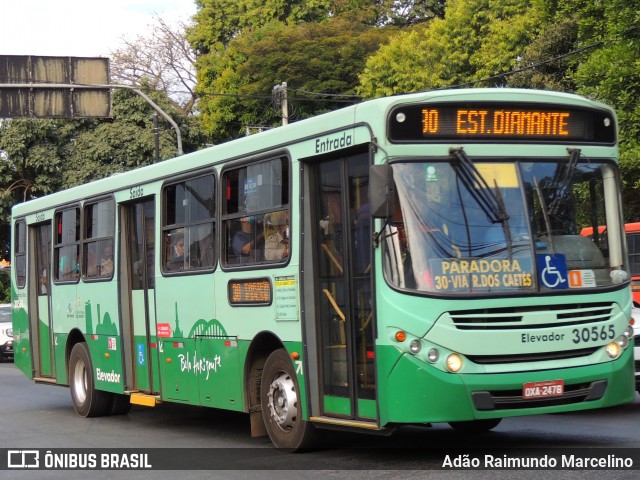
[295, 355]
[400, 336]
[106, 355]
[168, 360]
[613, 350]
[454, 362]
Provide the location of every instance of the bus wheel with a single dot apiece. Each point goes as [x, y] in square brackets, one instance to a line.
[475, 426]
[87, 401]
[281, 409]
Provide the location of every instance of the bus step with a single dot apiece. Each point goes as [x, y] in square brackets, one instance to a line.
[341, 423]
[144, 399]
[44, 380]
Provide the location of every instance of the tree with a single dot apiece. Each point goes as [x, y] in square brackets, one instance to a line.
[311, 57]
[592, 48]
[609, 73]
[162, 61]
[34, 152]
[476, 39]
[127, 140]
[244, 46]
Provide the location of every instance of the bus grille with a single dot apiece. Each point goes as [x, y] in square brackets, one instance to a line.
[530, 357]
[513, 399]
[531, 317]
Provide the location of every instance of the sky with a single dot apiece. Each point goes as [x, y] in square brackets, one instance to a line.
[80, 28]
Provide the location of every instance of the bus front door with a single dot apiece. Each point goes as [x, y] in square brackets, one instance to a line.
[341, 227]
[137, 244]
[40, 291]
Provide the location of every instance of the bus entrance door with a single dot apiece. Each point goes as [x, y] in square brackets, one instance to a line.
[137, 240]
[40, 293]
[343, 296]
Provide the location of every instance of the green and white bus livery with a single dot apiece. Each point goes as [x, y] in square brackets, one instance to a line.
[407, 260]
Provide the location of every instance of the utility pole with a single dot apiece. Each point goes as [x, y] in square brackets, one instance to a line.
[285, 104]
[156, 139]
[279, 95]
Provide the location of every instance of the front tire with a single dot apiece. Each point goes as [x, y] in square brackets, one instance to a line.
[281, 408]
[87, 401]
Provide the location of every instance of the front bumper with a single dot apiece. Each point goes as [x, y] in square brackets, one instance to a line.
[418, 393]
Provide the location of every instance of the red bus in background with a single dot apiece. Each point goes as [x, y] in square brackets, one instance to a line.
[632, 232]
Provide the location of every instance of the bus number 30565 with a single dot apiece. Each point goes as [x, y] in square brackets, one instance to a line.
[593, 334]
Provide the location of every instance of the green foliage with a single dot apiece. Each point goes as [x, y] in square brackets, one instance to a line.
[609, 73]
[311, 57]
[554, 40]
[598, 55]
[475, 40]
[245, 47]
[125, 142]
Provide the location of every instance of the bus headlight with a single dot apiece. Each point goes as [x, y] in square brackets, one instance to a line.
[613, 350]
[415, 346]
[628, 332]
[454, 362]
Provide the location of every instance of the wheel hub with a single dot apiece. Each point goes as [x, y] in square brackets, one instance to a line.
[283, 401]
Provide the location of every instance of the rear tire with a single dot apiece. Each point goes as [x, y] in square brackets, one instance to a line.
[281, 408]
[475, 426]
[87, 401]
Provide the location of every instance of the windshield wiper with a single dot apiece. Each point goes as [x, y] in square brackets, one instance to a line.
[559, 186]
[490, 201]
[545, 214]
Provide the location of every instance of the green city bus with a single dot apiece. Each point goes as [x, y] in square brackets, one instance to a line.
[403, 261]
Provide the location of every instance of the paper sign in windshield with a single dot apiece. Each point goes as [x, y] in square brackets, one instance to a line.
[480, 274]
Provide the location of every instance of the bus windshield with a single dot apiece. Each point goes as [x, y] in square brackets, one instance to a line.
[503, 226]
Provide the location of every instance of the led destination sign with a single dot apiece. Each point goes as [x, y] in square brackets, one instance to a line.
[496, 122]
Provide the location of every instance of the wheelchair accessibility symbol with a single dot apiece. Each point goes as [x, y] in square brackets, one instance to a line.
[552, 270]
[141, 354]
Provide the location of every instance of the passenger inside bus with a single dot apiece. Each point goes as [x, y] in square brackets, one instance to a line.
[277, 243]
[177, 251]
[106, 263]
[245, 243]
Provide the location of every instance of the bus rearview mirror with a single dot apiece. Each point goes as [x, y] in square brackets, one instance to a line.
[380, 190]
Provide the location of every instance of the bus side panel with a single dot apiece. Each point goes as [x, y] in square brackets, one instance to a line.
[60, 357]
[184, 312]
[220, 376]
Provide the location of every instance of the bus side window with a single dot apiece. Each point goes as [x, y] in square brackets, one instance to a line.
[188, 224]
[67, 245]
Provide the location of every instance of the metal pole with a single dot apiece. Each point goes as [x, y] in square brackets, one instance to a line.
[285, 105]
[156, 138]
